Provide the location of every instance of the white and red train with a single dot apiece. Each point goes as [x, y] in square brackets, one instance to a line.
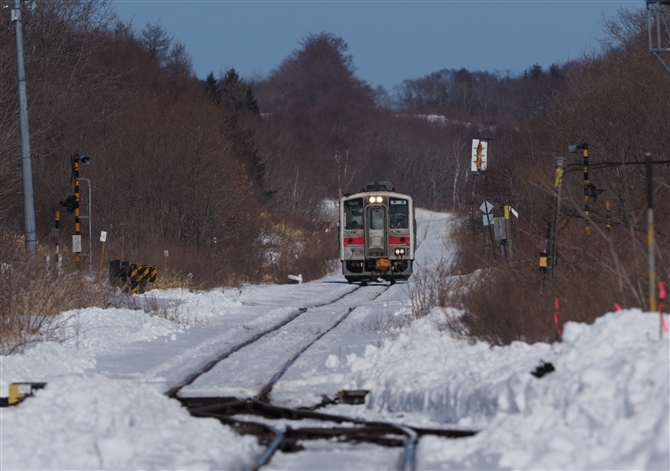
[377, 234]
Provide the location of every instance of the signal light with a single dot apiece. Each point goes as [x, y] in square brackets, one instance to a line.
[70, 203]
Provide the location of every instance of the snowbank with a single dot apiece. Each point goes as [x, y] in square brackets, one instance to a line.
[606, 405]
[100, 423]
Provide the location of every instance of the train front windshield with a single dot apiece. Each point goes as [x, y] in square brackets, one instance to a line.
[398, 213]
[377, 219]
[353, 214]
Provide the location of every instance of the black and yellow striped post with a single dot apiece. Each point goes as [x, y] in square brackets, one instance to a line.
[585, 154]
[18, 392]
[77, 225]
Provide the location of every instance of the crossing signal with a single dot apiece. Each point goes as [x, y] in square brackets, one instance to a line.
[70, 203]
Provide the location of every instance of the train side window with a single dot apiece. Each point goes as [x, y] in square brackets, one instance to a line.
[399, 213]
[353, 214]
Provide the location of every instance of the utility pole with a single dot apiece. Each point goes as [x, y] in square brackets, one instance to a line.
[26, 165]
[657, 30]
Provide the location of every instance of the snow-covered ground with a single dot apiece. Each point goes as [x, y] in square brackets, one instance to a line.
[606, 405]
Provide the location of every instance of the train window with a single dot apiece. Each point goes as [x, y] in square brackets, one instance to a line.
[353, 214]
[399, 213]
[376, 218]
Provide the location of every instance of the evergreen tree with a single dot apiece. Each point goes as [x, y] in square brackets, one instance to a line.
[212, 89]
[236, 94]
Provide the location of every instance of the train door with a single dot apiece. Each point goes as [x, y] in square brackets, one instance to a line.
[375, 233]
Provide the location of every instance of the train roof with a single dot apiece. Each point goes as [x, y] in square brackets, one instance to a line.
[349, 196]
[377, 186]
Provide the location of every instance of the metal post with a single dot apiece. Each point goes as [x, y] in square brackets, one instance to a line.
[508, 232]
[553, 232]
[55, 234]
[650, 231]
[26, 165]
[585, 153]
[656, 18]
[90, 225]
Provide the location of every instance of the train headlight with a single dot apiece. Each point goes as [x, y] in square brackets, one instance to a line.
[372, 199]
[379, 199]
[376, 199]
[400, 251]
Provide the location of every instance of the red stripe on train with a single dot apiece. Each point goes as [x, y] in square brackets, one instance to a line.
[354, 241]
[399, 240]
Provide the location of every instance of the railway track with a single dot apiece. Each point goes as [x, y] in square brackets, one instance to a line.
[295, 334]
[227, 389]
[348, 429]
[425, 234]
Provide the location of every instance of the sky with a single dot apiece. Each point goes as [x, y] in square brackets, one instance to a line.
[606, 404]
[390, 41]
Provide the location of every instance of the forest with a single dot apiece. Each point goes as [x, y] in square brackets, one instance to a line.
[221, 180]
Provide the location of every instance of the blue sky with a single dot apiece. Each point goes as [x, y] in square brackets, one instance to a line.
[390, 41]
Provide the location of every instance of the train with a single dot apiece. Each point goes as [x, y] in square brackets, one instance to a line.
[377, 231]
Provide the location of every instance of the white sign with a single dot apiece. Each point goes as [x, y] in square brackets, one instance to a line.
[166, 253]
[486, 207]
[103, 236]
[516, 215]
[487, 219]
[76, 243]
[479, 155]
[296, 278]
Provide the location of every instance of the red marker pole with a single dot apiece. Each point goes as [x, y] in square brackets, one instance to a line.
[661, 297]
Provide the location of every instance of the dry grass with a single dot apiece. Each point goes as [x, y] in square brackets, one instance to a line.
[34, 293]
[506, 301]
[170, 312]
[31, 296]
[430, 287]
[296, 247]
[168, 278]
